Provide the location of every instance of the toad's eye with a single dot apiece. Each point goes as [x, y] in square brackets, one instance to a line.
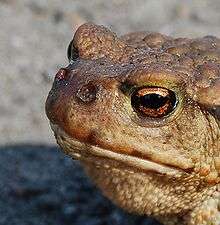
[154, 102]
[72, 52]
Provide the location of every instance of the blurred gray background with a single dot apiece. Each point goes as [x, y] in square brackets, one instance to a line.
[35, 34]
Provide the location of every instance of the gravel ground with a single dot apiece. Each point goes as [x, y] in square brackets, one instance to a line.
[56, 192]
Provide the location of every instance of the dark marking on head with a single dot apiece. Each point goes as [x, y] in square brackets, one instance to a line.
[87, 93]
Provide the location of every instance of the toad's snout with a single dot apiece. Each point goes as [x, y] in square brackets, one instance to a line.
[68, 94]
[79, 104]
[86, 93]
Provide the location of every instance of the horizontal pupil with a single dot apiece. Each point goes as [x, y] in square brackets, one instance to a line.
[153, 101]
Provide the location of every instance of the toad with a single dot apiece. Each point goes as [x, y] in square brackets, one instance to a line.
[141, 113]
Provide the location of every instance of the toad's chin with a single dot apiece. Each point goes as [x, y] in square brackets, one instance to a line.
[138, 185]
[101, 157]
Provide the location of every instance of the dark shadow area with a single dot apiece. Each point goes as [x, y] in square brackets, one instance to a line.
[41, 186]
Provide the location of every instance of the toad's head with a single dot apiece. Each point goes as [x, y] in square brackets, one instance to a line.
[141, 113]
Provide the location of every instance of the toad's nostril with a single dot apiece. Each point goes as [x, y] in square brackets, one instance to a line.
[62, 74]
[87, 93]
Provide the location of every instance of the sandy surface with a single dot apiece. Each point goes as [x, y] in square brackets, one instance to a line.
[35, 34]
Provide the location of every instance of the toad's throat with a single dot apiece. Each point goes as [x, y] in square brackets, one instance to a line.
[85, 152]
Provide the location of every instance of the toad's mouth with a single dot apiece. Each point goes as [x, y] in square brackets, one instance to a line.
[98, 155]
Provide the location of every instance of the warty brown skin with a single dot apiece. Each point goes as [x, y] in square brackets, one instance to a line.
[168, 166]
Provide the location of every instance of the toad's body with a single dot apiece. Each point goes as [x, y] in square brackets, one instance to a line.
[141, 112]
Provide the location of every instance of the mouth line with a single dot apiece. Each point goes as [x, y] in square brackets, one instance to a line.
[135, 162]
[142, 164]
